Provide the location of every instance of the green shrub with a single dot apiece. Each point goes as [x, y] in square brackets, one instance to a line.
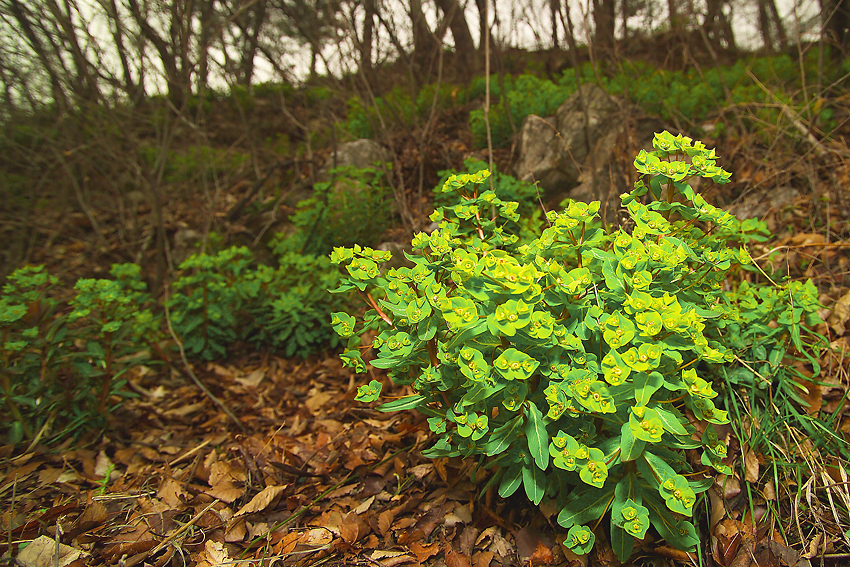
[526, 95]
[195, 162]
[506, 188]
[352, 207]
[207, 303]
[221, 299]
[576, 365]
[62, 370]
[691, 95]
[293, 310]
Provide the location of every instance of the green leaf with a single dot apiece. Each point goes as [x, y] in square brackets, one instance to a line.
[503, 436]
[534, 481]
[538, 438]
[585, 506]
[621, 543]
[670, 419]
[405, 403]
[511, 480]
[646, 385]
[660, 469]
[630, 446]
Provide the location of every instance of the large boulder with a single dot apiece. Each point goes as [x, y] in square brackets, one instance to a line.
[358, 153]
[585, 150]
[553, 150]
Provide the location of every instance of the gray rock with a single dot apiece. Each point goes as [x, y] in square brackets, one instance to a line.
[186, 241]
[758, 204]
[585, 155]
[358, 153]
[553, 150]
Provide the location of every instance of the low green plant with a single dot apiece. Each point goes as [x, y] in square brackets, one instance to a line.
[293, 308]
[207, 303]
[62, 370]
[222, 298]
[527, 94]
[352, 206]
[506, 188]
[690, 95]
[573, 365]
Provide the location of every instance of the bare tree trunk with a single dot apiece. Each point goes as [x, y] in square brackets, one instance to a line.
[204, 39]
[250, 24]
[424, 43]
[465, 59]
[764, 26]
[777, 20]
[604, 17]
[717, 25]
[168, 51]
[134, 90]
[366, 43]
[84, 81]
[482, 23]
[554, 10]
[836, 19]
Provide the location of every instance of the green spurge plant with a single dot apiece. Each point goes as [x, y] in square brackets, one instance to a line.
[574, 364]
[207, 300]
[292, 307]
[350, 207]
[61, 370]
[109, 318]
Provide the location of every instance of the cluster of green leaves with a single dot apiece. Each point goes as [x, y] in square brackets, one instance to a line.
[691, 95]
[293, 307]
[506, 188]
[207, 302]
[574, 365]
[526, 94]
[352, 207]
[194, 162]
[770, 327]
[399, 105]
[61, 369]
[222, 298]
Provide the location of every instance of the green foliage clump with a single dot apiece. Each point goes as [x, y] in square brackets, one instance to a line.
[400, 106]
[194, 162]
[61, 370]
[690, 95]
[351, 207]
[220, 299]
[506, 188]
[526, 95]
[206, 306]
[293, 307]
[573, 365]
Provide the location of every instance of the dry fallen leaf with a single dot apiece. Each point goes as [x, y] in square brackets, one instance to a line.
[213, 555]
[455, 559]
[751, 467]
[171, 492]
[43, 552]
[385, 522]
[840, 314]
[251, 380]
[423, 552]
[261, 501]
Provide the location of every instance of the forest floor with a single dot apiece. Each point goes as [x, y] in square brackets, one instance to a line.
[281, 465]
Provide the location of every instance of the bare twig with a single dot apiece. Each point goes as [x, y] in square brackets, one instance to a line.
[189, 371]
